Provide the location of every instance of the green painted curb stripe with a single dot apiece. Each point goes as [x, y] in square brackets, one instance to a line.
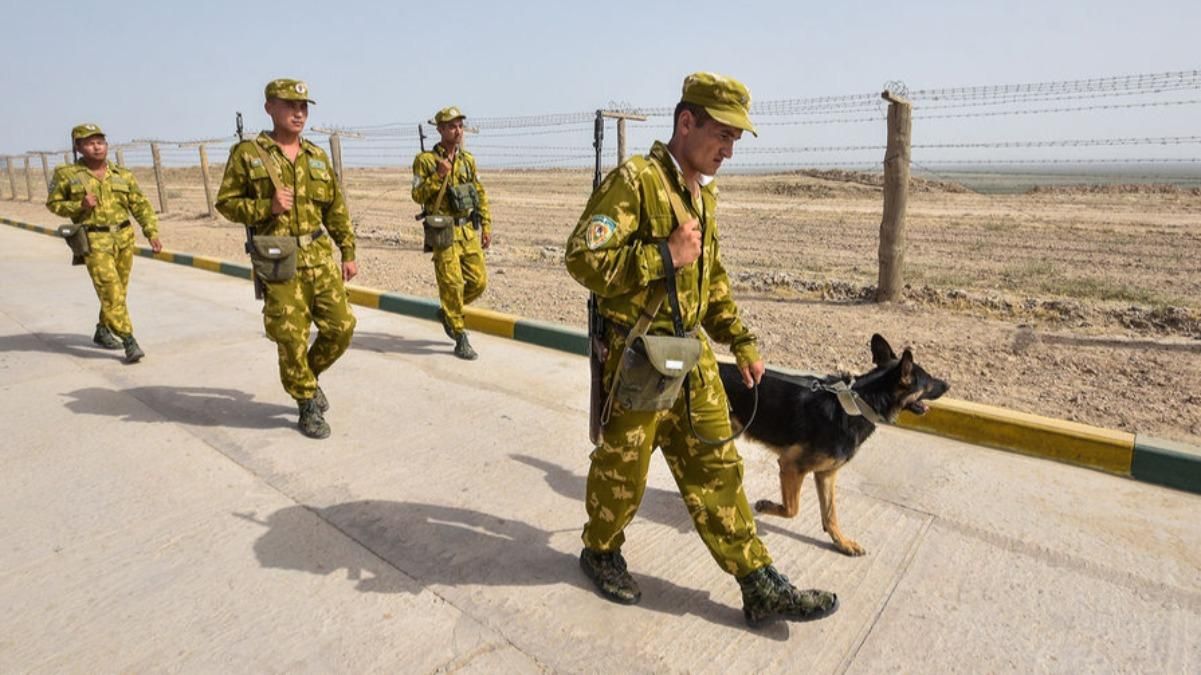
[552, 336]
[422, 308]
[1169, 463]
[239, 271]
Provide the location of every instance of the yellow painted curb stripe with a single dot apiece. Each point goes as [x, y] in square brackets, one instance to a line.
[1035, 435]
[204, 263]
[363, 296]
[490, 322]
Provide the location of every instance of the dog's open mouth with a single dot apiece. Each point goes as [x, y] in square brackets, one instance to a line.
[918, 408]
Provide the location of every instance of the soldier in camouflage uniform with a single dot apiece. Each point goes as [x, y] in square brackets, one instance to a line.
[614, 252]
[101, 196]
[459, 268]
[316, 294]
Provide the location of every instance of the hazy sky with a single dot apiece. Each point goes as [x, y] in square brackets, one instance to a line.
[180, 70]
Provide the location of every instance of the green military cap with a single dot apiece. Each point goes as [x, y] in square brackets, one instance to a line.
[86, 130]
[288, 90]
[448, 114]
[725, 99]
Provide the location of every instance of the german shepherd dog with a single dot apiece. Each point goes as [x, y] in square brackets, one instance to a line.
[802, 420]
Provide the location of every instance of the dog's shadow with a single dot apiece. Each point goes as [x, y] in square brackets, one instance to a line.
[658, 506]
[414, 545]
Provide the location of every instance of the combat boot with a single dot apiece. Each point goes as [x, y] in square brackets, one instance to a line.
[607, 569]
[445, 325]
[133, 353]
[105, 338]
[312, 422]
[463, 348]
[321, 401]
[767, 596]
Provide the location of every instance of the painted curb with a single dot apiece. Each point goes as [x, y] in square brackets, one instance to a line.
[1168, 463]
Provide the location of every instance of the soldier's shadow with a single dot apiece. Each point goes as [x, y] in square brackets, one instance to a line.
[388, 343]
[73, 344]
[658, 506]
[202, 406]
[416, 545]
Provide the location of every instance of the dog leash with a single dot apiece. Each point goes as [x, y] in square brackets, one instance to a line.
[678, 324]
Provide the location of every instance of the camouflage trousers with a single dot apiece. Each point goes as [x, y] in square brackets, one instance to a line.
[315, 295]
[461, 274]
[709, 477]
[109, 265]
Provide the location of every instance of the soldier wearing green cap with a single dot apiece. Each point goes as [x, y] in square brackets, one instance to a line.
[617, 252]
[283, 186]
[446, 182]
[101, 197]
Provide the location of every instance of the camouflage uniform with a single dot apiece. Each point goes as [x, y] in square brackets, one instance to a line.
[613, 252]
[111, 258]
[316, 293]
[459, 268]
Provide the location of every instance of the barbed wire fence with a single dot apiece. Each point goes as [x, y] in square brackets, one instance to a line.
[946, 120]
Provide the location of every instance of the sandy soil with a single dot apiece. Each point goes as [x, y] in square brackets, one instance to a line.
[1078, 305]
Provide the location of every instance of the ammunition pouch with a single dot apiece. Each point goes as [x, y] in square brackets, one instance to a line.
[439, 232]
[652, 371]
[274, 258]
[463, 197]
[76, 237]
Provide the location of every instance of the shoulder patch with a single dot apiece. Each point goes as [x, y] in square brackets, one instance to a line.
[255, 161]
[316, 164]
[600, 231]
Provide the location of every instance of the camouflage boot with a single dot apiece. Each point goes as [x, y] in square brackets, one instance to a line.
[767, 596]
[608, 571]
[312, 422]
[321, 401]
[133, 353]
[445, 326]
[105, 338]
[463, 348]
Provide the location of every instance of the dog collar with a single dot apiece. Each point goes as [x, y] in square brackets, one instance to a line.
[852, 403]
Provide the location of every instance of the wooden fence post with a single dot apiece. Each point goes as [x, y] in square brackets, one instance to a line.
[335, 155]
[12, 176]
[67, 157]
[158, 178]
[120, 158]
[896, 197]
[28, 181]
[621, 118]
[46, 171]
[208, 190]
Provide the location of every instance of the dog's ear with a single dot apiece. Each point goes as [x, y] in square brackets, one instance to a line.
[906, 366]
[881, 351]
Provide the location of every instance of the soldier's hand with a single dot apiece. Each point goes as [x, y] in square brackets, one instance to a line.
[752, 373]
[281, 201]
[485, 240]
[349, 269]
[443, 167]
[156, 245]
[90, 202]
[685, 243]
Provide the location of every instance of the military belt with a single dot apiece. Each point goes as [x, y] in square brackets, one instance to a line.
[624, 331]
[106, 228]
[305, 239]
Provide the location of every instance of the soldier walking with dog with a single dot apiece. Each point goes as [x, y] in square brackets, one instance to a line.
[647, 246]
[99, 198]
[284, 188]
[457, 223]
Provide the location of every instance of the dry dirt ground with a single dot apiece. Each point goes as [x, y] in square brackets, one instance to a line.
[1075, 304]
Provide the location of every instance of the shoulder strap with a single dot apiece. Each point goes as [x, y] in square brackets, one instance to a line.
[268, 164]
[449, 177]
[683, 215]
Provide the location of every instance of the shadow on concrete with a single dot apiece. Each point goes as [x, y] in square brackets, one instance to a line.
[388, 343]
[443, 545]
[659, 506]
[203, 406]
[73, 344]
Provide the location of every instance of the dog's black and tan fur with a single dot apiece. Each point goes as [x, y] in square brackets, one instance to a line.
[811, 432]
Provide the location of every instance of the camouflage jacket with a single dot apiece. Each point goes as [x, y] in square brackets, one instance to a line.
[118, 194]
[427, 183]
[246, 191]
[613, 252]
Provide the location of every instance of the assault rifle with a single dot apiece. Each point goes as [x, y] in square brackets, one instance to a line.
[598, 350]
[421, 139]
[258, 283]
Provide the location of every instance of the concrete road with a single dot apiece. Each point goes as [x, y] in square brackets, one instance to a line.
[167, 516]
